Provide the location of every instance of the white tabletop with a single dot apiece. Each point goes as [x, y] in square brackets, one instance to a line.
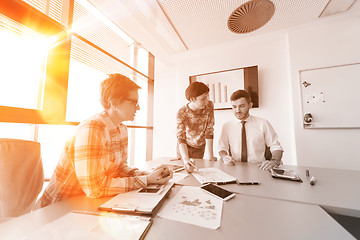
[335, 190]
[248, 217]
[275, 209]
[245, 217]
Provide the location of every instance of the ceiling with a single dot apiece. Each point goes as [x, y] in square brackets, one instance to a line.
[177, 26]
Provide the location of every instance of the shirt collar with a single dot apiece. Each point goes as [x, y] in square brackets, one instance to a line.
[247, 119]
[108, 121]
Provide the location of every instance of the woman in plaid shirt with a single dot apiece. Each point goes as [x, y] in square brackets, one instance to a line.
[94, 160]
[195, 126]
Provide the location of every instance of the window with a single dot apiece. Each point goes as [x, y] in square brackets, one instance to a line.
[21, 46]
[58, 64]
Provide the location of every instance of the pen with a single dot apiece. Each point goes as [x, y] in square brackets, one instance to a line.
[179, 169]
[248, 183]
[193, 164]
[223, 183]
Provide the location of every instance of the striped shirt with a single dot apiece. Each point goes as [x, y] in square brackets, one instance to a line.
[193, 127]
[94, 163]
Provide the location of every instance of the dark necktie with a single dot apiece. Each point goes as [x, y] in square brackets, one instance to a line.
[243, 143]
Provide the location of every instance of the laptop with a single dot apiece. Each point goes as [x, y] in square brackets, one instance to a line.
[144, 201]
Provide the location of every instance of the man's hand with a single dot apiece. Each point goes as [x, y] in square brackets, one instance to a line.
[228, 160]
[267, 165]
[210, 158]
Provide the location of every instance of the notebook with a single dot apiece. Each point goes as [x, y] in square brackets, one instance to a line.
[144, 201]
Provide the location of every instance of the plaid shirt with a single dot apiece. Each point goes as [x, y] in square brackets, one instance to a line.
[193, 127]
[94, 163]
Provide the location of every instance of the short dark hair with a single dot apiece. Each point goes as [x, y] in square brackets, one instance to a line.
[240, 94]
[115, 88]
[196, 89]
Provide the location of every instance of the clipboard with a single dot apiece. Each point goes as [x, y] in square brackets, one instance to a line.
[138, 202]
[285, 174]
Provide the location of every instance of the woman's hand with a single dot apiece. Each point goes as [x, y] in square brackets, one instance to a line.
[190, 165]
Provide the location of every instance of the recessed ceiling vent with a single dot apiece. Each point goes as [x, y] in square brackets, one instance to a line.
[251, 16]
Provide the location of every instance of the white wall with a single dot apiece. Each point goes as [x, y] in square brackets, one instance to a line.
[269, 52]
[328, 43]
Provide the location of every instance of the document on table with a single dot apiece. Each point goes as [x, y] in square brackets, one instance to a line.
[177, 177]
[106, 226]
[193, 206]
[213, 175]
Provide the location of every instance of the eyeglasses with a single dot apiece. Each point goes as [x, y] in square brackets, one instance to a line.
[135, 102]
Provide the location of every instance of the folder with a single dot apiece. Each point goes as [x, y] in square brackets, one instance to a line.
[138, 202]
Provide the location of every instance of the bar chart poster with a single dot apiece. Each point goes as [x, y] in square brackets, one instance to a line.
[222, 85]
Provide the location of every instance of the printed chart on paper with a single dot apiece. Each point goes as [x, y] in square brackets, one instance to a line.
[194, 206]
[206, 175]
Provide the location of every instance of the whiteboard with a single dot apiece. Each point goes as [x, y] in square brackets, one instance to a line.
[332, 96]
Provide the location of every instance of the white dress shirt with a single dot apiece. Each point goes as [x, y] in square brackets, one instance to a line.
[259, 134]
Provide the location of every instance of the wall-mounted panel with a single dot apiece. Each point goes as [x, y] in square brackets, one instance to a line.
[223, 83]
[331, 96]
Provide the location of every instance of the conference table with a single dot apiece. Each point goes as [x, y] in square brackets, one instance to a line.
[275, 209]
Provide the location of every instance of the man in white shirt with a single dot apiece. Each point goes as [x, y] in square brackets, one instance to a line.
[248, 144]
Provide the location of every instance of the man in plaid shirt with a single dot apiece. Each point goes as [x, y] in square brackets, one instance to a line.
[94, 160]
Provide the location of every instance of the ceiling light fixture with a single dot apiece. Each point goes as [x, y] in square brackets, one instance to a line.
[251, 16]
[336, 6]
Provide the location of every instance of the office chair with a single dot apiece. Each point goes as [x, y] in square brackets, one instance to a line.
[268, 154]
[21, 176]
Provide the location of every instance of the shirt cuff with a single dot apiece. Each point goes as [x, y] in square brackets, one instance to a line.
[142, 180]
[209, 136]
[140, 172]
[276, 147]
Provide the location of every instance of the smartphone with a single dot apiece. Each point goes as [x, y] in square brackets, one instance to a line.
[218, 191]
[151, 189]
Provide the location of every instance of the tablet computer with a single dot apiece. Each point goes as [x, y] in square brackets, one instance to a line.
[286, 174]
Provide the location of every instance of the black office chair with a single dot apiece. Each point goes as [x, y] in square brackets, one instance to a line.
[21, 176]
[268, 154]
